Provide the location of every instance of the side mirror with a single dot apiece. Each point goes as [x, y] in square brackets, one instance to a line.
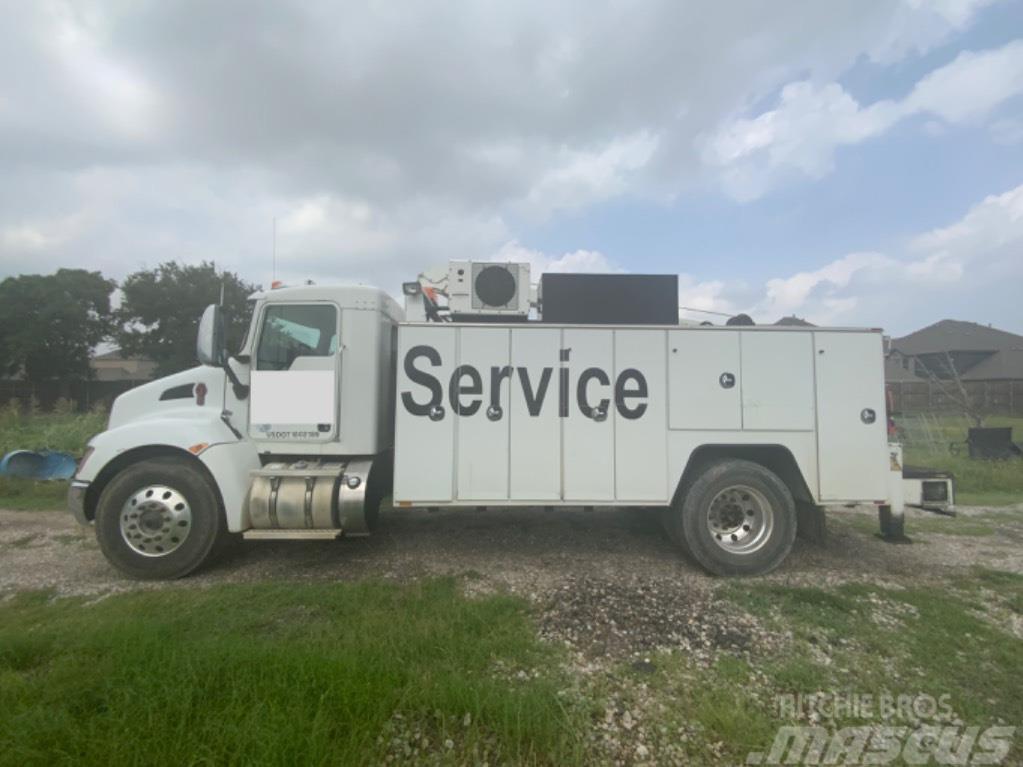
[209, 345]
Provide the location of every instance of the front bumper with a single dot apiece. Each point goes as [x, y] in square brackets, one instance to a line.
[76, 501]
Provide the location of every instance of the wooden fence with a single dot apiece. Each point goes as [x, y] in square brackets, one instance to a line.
[989, 397]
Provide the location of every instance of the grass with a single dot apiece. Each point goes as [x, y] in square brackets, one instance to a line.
[274, 674]
[969, 526]
[851, 640]
[61, 430]
[978, 483]
[940, 644]
[21, 494]
[936, 641]
[349, 673]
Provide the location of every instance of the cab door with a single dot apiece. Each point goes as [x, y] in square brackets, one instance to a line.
[295, 374]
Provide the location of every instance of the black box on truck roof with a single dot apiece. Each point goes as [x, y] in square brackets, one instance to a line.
[609, 299]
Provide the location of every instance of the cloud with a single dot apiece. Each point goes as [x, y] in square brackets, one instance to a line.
[184, 128]
[938, 273]
[385, 137]
[578, 261]
[934, 274]
[1007, 131]
[822, 292]
[800, 136]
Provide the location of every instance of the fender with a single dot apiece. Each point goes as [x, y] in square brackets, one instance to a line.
[192, 431]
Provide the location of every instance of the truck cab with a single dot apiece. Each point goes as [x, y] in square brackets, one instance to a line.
[230, 445]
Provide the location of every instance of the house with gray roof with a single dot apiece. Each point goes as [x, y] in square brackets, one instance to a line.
[951, 348]
[924, 369]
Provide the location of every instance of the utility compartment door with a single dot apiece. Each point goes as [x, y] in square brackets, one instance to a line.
[703, 377]
[777, 380]
[481, 411]
[640, 412]
[852, 442]
[425, 426]
[535, 425]
[588, 452]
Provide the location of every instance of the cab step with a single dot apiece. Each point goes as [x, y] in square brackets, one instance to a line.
[291, 535]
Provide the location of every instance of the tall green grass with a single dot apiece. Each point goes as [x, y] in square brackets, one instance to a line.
[61, 429]
[278, 674]
[978, 482]
[27, 428]
[939, 644]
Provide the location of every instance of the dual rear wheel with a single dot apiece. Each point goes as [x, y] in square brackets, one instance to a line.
[734, 518]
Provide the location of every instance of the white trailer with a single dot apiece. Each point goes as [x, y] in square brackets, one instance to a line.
[739, 434]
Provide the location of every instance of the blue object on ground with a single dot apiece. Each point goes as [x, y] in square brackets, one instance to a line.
[44, 464]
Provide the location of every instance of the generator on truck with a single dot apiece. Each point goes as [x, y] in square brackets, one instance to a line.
[487, 391]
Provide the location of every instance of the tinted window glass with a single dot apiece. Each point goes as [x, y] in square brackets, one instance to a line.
[288, 332]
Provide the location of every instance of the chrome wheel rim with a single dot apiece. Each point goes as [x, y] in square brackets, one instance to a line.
[740, 519]
[155, 520]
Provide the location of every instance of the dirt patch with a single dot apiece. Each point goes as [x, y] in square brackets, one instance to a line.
[616, 566]
[634, 617]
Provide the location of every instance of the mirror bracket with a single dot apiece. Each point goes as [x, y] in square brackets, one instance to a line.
[241, 391]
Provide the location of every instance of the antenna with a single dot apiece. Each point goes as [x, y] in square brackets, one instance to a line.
[275, 251]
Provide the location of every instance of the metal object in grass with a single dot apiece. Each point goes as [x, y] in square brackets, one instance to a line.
[44, 464]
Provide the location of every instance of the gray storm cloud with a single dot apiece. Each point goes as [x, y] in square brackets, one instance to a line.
[381, 136]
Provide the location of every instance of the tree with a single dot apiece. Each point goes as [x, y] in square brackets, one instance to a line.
[160, 310]
[49, 324]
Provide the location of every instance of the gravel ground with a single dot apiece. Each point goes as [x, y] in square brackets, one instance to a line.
[572, 559]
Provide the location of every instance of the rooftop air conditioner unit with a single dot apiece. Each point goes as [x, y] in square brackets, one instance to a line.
[488, 289]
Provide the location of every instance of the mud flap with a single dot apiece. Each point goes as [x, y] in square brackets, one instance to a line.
[893, 525]
[810, 522]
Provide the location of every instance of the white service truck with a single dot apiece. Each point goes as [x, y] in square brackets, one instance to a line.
[487, 391]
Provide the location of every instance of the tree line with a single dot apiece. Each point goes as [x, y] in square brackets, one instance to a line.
[50, 325]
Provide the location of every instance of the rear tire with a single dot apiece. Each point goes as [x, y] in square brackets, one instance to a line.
[159, 519]
[735, 518]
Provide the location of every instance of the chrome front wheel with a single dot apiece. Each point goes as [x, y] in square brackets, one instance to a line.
[160, 518]
[155, 520]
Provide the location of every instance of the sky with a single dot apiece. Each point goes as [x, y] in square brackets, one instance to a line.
[852, 162]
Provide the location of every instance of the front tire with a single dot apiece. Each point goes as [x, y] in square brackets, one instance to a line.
[735, 518]
[159, 519]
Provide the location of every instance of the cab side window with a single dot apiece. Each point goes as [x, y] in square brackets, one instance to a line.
[292, 331]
